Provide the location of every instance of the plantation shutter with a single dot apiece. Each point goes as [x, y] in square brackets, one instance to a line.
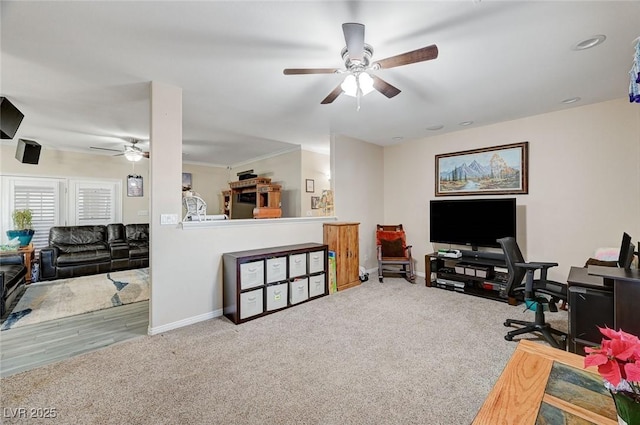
[41, 200]
[94, 202]
[43, 196]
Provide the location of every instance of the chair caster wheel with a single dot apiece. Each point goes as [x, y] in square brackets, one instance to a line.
[506, 324]
[508, 337]
[380, 279]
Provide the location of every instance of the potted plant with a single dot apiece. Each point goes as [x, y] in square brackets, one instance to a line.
[22, 227]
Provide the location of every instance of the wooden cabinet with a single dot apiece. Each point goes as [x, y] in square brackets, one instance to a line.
[258, 195]
[262, 281]
[342, 238]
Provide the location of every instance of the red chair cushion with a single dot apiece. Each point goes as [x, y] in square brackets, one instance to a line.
[393, 243]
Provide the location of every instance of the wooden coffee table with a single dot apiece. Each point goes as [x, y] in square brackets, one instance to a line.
[541, 384]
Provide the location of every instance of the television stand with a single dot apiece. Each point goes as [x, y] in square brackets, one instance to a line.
[483, 274]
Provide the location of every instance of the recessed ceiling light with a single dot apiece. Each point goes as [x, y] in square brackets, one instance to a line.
[398, 138]
[571, 100]
[435, 127]
[466, 123]
[589, 42]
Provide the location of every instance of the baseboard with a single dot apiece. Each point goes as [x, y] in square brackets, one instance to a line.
[184, 322]
[374, 272]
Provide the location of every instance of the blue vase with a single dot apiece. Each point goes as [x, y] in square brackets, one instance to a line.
[24, 236]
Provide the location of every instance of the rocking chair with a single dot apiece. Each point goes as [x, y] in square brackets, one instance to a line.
[394, 255]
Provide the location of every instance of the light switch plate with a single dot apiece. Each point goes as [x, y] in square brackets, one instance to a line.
[168, 219]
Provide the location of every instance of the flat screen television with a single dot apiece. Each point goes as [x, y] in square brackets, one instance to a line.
[473, 222]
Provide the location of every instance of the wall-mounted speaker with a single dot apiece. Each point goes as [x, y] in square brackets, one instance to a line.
[28, 151]
[10, 119]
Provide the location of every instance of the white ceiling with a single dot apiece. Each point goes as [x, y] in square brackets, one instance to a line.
[79, 71]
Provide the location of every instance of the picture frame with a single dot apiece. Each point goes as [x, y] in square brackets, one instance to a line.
[315, 202]
[134, 185]
[310, 185]
[186, 181]
[495, 170]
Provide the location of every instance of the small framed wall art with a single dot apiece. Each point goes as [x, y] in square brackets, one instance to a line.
[315, 202]
[186, 181]
[134, 185]
[311, 186]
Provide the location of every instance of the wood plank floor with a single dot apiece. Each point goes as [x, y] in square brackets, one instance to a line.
[31, 346]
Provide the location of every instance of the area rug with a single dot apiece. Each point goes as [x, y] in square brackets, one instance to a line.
[43, 301]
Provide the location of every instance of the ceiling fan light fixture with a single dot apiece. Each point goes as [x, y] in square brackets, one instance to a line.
[133, 155]
[352, 81]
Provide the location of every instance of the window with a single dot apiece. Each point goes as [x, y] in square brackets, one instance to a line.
[89, 202]
[42, 196]
[94, 202]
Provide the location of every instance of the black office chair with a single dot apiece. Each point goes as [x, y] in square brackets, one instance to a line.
[522, 284]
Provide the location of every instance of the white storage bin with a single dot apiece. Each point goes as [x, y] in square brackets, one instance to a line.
[276, 269]
[251, 274]
[316, 285]
[297, 265]
[277, 296]
[316, 261]
[298, 290]
[251, 303]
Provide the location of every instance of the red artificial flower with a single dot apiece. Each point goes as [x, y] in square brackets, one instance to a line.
[617, 358]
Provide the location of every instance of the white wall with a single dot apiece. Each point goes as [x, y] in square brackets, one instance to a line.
[209, 182]
[359, 190]
[584, 181]
[317, 167]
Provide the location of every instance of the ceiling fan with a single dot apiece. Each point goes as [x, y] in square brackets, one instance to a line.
[131, 152]
[357, 61]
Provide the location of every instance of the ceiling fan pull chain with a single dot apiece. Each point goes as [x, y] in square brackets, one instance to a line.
[358, 92]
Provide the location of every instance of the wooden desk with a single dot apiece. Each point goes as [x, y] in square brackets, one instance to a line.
[626, 292]
[27, 251]
[541, 383]
[592, 306]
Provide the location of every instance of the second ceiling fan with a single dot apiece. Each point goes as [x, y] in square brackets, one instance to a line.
[131, 152]
[357, 61]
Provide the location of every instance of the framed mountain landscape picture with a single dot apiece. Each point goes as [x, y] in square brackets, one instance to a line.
[496, 170]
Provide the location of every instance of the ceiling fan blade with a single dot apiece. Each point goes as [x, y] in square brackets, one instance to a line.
[354, 36]
[300, 71]
[384, 87]
[419, 55]
[145, 154]
[332, 96]
[105, 149]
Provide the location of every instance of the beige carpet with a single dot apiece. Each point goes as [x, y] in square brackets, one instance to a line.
[48, 300]
[380, 353]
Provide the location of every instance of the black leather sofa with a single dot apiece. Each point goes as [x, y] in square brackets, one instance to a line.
[83, 250]
[12, 277]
